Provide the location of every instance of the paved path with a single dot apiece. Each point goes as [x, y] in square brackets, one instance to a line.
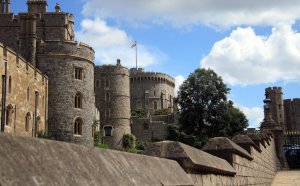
[287, 178]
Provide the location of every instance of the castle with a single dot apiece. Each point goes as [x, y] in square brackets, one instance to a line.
[51, 85]
[285, 112]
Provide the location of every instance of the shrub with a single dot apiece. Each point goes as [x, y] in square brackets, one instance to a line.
[128, 141]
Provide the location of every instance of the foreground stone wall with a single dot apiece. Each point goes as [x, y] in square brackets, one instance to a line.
[250, 163]
[27, 161]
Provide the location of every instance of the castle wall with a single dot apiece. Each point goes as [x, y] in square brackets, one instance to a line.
[145, 129]
[21, 91]
[112, 99]
[150, 87]
[292, 114]
[59, 61]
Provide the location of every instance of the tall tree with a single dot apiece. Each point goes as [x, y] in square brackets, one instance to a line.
[204, 110]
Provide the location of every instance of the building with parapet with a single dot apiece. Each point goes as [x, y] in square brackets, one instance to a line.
[151, 91]
[285, 112]
[46, 41]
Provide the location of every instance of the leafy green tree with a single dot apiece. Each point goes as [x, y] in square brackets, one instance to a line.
[204, 111]
[162, 112]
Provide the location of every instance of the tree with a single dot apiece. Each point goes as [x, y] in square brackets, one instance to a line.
[204, 111]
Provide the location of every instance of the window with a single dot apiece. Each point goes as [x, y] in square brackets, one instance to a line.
[139, 104]
[9, 84]
[146, 127]
[78, 73]
[107, 112]
[106, 83]
[107, 97]
[9, 112]
[78, 127]
[27, 121]
[107, 130]
[43, 102]
[154, 93]
[97, 83]
[28, 94]
[155, 105]
[36, 99]
[78, 100]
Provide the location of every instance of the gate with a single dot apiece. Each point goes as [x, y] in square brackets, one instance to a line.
[292, 148]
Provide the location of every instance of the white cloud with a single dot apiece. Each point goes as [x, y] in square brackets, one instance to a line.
[209, 12]
[255, 115]
[245, 58]
[178, 81]
[111, 43]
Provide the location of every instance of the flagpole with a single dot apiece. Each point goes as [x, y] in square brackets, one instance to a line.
[136, 55]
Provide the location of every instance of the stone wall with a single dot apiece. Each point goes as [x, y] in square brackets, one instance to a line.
[151, 90]
[248, 163]
[32, 162]
[145, 129]
[59, 60]
[292, 114]
[26, 95]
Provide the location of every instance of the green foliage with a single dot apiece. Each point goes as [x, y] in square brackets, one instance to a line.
[46, 136]
[140, 113]
[204, 110]
[162, 112]
[97, 134]
[128, 141]
[101, 145]
[141, 146]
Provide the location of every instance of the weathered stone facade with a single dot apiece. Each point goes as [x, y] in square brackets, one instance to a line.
[113, 101]
[46, 41]
[26, 96]
[151, 90]
[285, 112]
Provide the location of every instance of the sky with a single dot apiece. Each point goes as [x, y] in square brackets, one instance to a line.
[252, 45]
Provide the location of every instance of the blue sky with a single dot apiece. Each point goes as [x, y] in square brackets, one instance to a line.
[251, 44]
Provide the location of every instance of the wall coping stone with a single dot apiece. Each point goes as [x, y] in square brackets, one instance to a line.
[245, 142]
[256, 139]
[190, 158]
[225, 148]
[29, 161]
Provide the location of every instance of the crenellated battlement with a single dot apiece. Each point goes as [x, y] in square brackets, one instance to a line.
[111, 69]
[273, 89]
[67, 48]
[138, 74]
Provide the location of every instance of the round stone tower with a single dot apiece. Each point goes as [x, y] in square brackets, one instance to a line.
[70, 68]
[276, 105]
[151, 90]
[113, 100]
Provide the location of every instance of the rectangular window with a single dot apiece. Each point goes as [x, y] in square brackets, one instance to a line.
[78, 73]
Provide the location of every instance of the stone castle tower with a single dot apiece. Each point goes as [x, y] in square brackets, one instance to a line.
[276, 105]
[113, 100]
[46, 40]
[152, 90]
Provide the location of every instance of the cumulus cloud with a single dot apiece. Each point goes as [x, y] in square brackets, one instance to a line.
[111, 43]
[178, 81]
[209, 12]
[245, 58]
[255, 115]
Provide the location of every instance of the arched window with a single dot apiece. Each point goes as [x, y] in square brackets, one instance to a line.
[78, 127]
[78, 100]
[108, 130]
[106, 83]
[27, 121]
[97, 83]
[28, 92]
[9, 113]
[9, 84]
[37, 126]
[107, 112]
[37, 99]
[154, 105]
[107, 97]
